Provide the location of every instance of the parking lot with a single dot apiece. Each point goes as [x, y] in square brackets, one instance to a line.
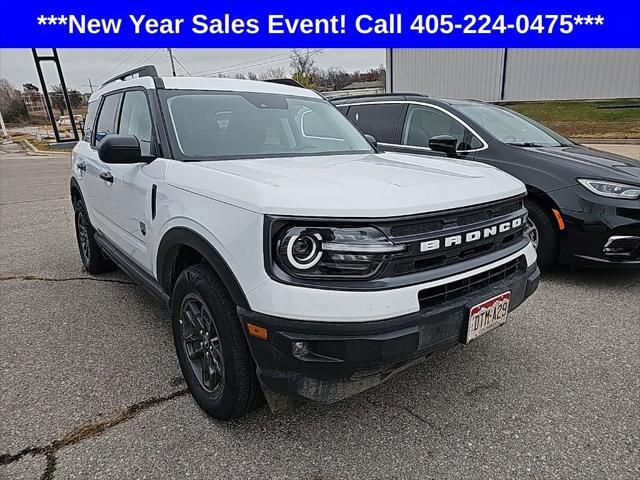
[90, 387]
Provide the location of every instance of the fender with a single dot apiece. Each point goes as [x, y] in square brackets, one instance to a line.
[180, 236]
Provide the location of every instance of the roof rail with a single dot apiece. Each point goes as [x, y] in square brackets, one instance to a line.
[377, 95]
[144, 71]
[286, 81]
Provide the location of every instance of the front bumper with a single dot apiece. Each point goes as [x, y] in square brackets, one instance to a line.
[591, 221]
[345, 358]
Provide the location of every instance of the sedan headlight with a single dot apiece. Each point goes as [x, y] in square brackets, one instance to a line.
[333, 252]
[604, 188]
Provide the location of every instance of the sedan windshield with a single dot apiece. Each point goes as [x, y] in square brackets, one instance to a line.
[512, 128]
[223, 125]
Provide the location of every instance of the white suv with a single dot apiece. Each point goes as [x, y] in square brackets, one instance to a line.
[298, 261]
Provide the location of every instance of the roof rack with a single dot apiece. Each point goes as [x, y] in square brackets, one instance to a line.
[378, 95]
[286, 81]
[144, 71]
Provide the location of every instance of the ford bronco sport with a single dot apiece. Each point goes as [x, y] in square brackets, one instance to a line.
[298, 262]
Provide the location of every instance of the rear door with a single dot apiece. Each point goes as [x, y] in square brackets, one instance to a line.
[381, 120]
[97, 189]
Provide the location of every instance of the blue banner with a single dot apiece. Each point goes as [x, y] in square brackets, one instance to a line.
[327, 23]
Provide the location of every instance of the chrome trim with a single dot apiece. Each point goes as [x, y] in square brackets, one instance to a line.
[615, 238]
[355, 248]
[428, 105]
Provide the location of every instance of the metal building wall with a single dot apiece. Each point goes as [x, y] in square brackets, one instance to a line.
[528, 74]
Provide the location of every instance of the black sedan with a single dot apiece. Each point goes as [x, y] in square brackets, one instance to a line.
[584, 204]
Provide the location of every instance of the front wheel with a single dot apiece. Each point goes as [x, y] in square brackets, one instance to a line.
[212, 351]
[542, 232]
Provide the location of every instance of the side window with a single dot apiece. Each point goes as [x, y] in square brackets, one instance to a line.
[344, 109]
[90, 120]
[380, 121]
[107, 117]
[423, 123]
[135, 119]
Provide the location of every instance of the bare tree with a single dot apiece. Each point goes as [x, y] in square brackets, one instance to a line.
[273, 73]
[57, 98]
[336, 78]
[252, 76]
[239, 76]
[303, 66]
[11, 103]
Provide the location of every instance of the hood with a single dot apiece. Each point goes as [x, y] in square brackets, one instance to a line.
[590, 163]
[354, 185]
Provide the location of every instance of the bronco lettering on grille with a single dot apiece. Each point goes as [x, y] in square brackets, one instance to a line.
[472, 236]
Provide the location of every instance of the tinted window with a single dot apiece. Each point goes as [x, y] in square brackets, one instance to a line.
[90, 120]
[423, 123]
[135, 119]
[210, 124]
[380, 121]
[107, 117]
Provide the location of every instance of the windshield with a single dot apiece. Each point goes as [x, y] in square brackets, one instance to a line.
[513, 128]
[222, 125]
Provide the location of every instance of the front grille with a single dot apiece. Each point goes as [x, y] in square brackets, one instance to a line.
[462, 219]
[416, 231]
[434, 296]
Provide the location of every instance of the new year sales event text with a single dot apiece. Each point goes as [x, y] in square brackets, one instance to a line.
[334, 25]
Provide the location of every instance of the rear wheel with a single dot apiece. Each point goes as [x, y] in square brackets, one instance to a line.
[542, 232]
[212, 351]
[93, 259]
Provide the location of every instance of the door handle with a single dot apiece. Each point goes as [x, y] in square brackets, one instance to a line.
[106, 176]
[81, 165]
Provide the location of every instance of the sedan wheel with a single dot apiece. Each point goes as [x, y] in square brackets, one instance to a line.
[531, 231]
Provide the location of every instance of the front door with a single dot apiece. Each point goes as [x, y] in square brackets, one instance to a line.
[128, 205]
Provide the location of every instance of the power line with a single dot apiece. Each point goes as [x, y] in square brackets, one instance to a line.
[183, 67]
[288, 56]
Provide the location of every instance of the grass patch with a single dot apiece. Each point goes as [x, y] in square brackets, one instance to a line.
[583, 119]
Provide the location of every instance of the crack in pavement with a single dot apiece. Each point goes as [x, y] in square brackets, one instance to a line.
[85, 431]
[32, 201]
[68, 279]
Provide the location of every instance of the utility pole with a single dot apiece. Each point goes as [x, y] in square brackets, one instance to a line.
[173, 66]
[5, 135]
[90, 85]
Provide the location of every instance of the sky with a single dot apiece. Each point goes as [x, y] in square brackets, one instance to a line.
[80, 65]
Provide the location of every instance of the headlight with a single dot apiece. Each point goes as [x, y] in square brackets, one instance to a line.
[333, 252]
[605, 188]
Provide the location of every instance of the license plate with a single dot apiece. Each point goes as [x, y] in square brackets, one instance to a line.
[488, 315]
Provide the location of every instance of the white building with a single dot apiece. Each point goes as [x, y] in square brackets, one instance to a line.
[503, 74]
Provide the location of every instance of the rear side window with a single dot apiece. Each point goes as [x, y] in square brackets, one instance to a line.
[90, 120]
[135, 119]
[107, 117]
[381, 121]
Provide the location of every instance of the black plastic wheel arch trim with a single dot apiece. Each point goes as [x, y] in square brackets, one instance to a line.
[180, 236]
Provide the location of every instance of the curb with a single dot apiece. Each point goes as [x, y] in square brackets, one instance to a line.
[36, 151]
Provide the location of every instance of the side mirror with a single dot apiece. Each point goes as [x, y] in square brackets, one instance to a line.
[444, 143]
[120, 149]
[372, 140]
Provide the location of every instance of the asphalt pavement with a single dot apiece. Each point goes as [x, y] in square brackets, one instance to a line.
[90, 388]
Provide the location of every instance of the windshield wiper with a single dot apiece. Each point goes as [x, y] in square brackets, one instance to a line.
[525, 144]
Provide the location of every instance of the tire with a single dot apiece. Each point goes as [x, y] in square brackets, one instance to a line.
[92, 256]
[221, 377]
[548, 237]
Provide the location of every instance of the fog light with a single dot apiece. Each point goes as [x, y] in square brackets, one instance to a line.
[299, 349]
[622, 246]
